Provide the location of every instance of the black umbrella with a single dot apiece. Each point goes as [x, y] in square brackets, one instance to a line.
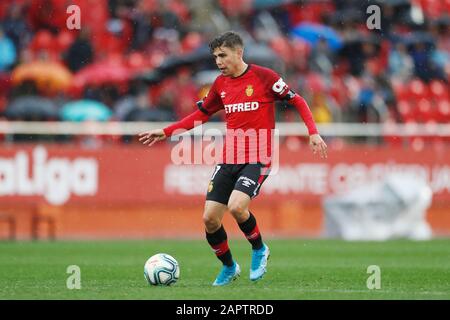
[443, 20]
[253, 53]
[139, 114]
[31, 108]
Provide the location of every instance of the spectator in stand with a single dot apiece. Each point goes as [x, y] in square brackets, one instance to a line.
[387, 20]
[168, 19]
[441, 59]
[319, 108]
[108, 94]
[346, 4]
[321, 59]
[157, 30]
[128, 102]
[141, 19]
[187, 94]
[401, 64]
[141, 108]
[16, 28]
[48, 14]
[424, 66]
[81, 52]
[370, 106]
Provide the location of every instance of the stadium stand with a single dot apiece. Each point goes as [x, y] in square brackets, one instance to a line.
[400, 72]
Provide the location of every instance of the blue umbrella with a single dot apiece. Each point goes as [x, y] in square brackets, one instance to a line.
[313, 32]
[83, 110]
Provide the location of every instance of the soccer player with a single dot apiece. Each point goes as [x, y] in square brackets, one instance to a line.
[247, 93]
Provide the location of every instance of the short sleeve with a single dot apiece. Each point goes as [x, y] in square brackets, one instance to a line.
[212, 102]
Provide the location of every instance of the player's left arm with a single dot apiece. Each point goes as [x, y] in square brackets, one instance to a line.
[283, 92]
[315, 140]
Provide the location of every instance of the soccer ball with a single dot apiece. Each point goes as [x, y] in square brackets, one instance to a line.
[161, 270]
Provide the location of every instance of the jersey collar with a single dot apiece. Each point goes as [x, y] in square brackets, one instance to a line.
[246, 69]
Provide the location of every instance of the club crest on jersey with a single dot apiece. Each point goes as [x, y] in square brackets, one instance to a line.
[249, 90]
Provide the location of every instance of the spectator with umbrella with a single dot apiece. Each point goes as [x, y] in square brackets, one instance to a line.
[50, 77]
[103, 73]
[31, 108]
[7, 52]
[80, 53]
[314, 33]
[85, 110]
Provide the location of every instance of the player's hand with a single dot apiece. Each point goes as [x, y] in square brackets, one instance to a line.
[318, 145]
[150, 137]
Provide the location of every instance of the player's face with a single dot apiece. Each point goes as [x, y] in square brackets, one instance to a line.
[228, 60]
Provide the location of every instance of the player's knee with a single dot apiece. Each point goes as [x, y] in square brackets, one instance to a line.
[237, 209]
[211, 223]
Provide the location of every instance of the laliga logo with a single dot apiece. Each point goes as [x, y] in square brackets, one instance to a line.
[54, 178]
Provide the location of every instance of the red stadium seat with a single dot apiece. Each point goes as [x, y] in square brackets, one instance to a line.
[138, 62]
[432, 8]
[181, 9]
[417, 89]
[301, 51]
[95, 15]
[424, 110]
[236, 8]
[308, 11]
[439, 90]
[405, 110]
[64, 39]
[401, 90]
[42, 40]
[5, 86]
[44, 43]
[3, 9]
[282, 47]
[443, 111]
[191, 41]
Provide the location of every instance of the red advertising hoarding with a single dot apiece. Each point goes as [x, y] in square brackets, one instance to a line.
[132, 191]
[61, 175]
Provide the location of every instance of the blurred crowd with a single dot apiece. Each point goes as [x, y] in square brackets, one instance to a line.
[147, 60]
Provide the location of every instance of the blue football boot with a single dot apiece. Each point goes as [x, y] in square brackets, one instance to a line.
[227, 275]
[259, 262]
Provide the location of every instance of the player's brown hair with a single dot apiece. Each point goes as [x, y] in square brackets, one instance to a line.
[228, 39]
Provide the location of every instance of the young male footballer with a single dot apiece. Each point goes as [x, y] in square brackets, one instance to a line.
[247, 93]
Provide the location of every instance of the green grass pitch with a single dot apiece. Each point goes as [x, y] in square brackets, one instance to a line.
[297, 269]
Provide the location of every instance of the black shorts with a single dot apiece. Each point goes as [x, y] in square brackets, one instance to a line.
[247, 177]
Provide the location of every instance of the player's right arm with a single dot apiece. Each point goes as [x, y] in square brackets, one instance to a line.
[194, 119]
[206, 108]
